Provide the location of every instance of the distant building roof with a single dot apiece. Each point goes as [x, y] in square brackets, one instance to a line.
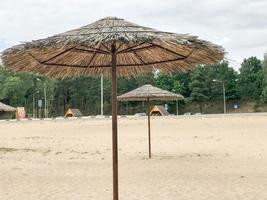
[73, 112]
[159, 110]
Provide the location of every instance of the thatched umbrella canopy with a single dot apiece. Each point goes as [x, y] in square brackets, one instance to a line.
[149, 93]
[87, 51]
[111, 46]
[6, 108]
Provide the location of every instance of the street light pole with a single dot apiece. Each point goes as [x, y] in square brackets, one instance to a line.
[45, 99]
[38, 108]
[33, 105]
[45, 102]
[34, 112]
[224, 99]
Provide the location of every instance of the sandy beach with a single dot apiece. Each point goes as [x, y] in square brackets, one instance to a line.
[194, 157]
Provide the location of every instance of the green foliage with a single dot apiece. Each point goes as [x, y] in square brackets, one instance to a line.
[222, 72]
[199, 86]
[164, 81]
[264, 91]
[264, 68]
[177, 87]
[204, 89]
[13, 87]
[177, 83]
[14, 90]
[264, 95]
[20, 89]
[250, 79]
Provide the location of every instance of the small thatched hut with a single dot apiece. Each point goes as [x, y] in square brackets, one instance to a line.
[159, 111]
[73, 112]
[6, 111]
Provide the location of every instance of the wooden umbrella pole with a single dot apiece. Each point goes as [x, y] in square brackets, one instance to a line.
[114, 124]
[149, 135]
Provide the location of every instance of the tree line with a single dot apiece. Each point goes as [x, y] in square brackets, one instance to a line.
[201, 85]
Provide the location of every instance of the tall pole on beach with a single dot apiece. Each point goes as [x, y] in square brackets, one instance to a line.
[224, 99]
[34, 109]
[149, 132]
[45, 98]
[33, 105]
[45, 101]
[177, 108]
[114, 122]
[102, 98]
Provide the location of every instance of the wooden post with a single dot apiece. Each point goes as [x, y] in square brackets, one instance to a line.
[102, 99]
[33, 105]
[149, 135]
[114, 124]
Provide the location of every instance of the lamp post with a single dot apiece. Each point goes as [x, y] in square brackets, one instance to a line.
[224, 99]
[45, 101]
[38, 108]
[33, 104]
[45, 98]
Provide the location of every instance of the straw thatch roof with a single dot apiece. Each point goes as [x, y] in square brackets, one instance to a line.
[6, 108]
[148, 91]
[159, 110]
[73, 112]
[87, 51]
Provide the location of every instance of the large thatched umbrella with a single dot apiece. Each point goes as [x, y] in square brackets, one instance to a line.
[6, 108]
[149, 93]
[111, 46]
[6, 111]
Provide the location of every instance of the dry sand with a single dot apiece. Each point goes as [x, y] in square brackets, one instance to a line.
[194, 157]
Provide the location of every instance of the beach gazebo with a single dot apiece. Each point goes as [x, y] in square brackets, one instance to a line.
[112, 47]
[6, 111]
[149, 93]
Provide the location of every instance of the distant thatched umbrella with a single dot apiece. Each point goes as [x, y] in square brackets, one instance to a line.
[6, 108]
[111, 46]
[149, 93]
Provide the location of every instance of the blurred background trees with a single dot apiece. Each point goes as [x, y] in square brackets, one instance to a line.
[197, 86]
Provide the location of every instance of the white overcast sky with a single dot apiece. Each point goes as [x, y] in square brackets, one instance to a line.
[239, 25]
